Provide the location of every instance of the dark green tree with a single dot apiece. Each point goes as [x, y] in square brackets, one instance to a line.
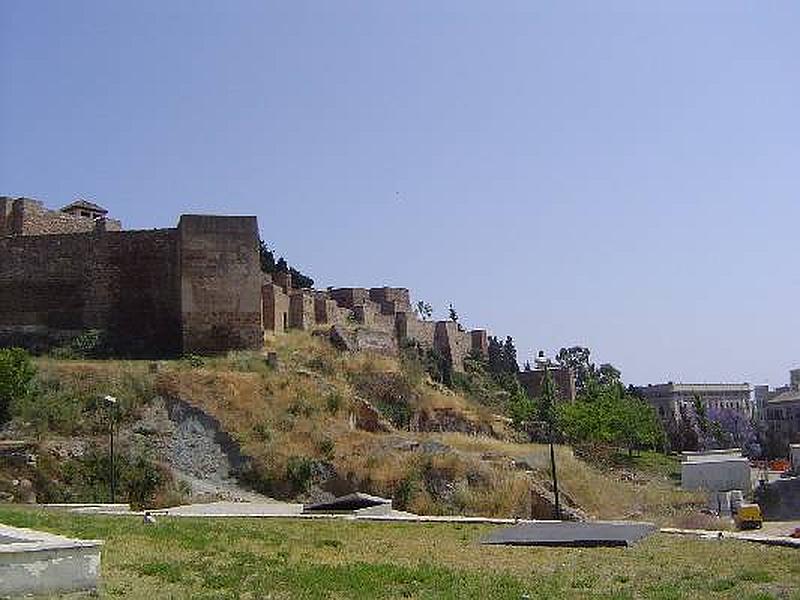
[576, 358]
[547, 401]
[452, 314]
[509, 356]
[270, 265]
[495, 356]
[299, 280]
[424, 310]
[266, 257]
[281, 266]
[607, 374]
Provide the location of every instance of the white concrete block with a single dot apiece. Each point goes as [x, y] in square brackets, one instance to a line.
[794, 457]
[720, 475]
[34, 562]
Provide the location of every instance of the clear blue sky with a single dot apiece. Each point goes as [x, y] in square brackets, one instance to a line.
[622, 175]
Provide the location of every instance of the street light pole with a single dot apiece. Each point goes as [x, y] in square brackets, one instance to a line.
[552, 449]
[548, 392]
[112, 404]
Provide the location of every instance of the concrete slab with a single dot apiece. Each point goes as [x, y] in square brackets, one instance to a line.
[566, 533]
[78, 507]
[234, 509]
[35, 562]
[765, 537]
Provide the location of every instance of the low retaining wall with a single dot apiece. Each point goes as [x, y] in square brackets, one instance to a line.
[34, 562]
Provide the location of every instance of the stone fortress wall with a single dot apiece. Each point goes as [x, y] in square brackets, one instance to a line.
[197, 287]
[220, 283]
[25, 216]
[382, 318]
[53, 287]
[160, 292]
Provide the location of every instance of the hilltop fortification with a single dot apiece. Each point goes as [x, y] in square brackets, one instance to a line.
[194, 288]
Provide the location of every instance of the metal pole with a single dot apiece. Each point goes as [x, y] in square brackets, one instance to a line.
[552, 449]
[555, 477]
[111, 452]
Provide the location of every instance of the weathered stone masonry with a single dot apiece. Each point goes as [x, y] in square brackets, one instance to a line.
[379, 318]
[220, 280]
[53, 286]
[194, 288]
[24, 216]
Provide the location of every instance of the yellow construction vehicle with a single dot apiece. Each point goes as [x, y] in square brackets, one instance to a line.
[748, 516]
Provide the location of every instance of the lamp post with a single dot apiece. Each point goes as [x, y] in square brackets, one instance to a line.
[548, 394]
[111, 403]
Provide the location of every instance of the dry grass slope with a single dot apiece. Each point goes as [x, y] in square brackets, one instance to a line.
[299, 423]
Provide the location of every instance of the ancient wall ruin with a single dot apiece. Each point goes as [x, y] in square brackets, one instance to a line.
[194, 288]
[124, 283]
[220, 282]
[379, 319]
[25, 216]
[275, 308]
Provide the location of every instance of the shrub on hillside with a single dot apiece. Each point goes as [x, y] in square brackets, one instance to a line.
[391, 393]
[16, 378]
[139, 481]
[500, 390]
[419, 362]
[334, 402]
[66, 398]
[93, 343]
[326, 448]
[299, 471]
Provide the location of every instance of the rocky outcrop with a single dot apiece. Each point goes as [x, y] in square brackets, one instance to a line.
[191, 442]
[366, 417]
[446, 419]
[363, 339]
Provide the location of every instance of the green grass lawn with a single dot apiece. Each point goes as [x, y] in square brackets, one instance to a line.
[266, 558]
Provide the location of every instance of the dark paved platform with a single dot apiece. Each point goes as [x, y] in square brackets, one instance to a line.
[566, 533]
[350, 502]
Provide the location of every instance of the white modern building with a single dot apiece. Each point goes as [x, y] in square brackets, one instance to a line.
[667, 398]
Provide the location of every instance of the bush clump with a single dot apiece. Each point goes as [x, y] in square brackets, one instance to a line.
[17, 373]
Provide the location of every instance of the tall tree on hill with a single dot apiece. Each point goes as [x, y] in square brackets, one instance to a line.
[299, 280]
[495, 355]
[608, 374]
[510, 364]
[266, 256]
[576, 358]
[502, 356]
[270, 265]
[424, 310]
[281, 266]
[452, 314]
